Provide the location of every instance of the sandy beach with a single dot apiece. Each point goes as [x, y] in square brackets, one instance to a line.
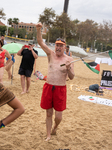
[85, 125]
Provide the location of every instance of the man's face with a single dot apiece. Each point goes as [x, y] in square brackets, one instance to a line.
[59, 49]
[67, 49]
[30, 46]
[2, 38]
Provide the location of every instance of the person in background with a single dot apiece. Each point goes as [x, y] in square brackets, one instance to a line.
[10, 65]
[7, 97]
[54, 90]
[3, 39]
[67, 52]
[3, 53]
[26, 67]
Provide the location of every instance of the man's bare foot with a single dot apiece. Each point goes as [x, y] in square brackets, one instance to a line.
[27, 91]
[48, 138]
[23, 92]
[53, 132]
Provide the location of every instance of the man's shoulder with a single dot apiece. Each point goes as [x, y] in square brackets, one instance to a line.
[68, 57]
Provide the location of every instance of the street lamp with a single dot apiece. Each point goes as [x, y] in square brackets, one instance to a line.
[101, 46]
[94, 43]
[7, 29]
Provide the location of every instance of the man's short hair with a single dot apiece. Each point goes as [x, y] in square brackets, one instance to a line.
[30, 42]
[1, 42]
[67, 46]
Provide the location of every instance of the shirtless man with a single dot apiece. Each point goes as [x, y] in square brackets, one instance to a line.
[54, 90]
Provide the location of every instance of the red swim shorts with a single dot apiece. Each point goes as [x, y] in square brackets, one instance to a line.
[53, 96]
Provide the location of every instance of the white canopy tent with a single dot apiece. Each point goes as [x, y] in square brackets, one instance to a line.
[77, 51]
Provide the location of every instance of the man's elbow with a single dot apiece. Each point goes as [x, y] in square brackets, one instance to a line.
[36, 57]
[18, 54]
[71, 78]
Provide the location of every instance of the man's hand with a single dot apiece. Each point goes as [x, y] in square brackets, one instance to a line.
[23, 47]
[68, 63]
[30, 47]
[38, 26]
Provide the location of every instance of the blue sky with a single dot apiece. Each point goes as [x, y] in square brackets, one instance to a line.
[29, 10]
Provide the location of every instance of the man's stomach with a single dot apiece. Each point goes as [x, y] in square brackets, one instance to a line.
[56, 79]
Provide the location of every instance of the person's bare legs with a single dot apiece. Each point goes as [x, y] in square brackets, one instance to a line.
[9, 65]
[58, 118]
[1, 74]
[49, 114]
[28, 81]
[18, 110]
[9, 74]
[34, 70]
[23, 84]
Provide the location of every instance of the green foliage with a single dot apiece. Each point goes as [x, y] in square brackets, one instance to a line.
[2, 14]
[30, 35]
[21, 33]
[10, 21]
[64, 23]
[72, 42]
[15, 20]
[47, 16]
[54, 34]
[44, 36]
[2, 29]
[10, 31]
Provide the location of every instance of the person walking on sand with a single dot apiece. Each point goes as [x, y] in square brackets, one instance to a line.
[7, 97]
[26, 67]
[3, 53]
[54, 90]
[67, 52]
[10, 76]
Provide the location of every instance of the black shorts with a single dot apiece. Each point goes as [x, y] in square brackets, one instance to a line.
[27, 73]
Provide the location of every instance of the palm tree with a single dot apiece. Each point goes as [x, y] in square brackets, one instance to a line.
[10, 21]
[15, 21]
[2, 14]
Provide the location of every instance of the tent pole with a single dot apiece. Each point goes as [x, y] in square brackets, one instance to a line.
[12, 73]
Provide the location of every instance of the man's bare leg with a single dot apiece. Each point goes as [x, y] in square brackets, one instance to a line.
[23, 84]
[58, 118]
[28, 81]
[9, 74]
[1, 74]
[49, 114]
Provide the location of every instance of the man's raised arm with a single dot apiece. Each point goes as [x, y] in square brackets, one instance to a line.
[40, 41]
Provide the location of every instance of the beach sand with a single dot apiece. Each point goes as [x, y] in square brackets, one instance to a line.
[85, 125]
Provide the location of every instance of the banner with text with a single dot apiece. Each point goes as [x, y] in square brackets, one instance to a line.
[106, 79]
